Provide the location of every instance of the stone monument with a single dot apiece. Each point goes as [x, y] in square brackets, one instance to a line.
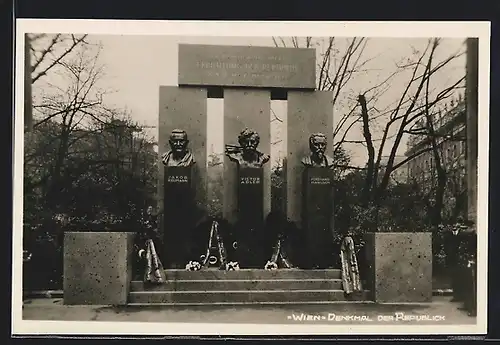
[317, 205]
[247, 79]
[250, 194]
[97, 267]
[178, 198]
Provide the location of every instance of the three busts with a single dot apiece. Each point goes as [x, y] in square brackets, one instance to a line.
[179, 154]
[317, 157]
[246, 154]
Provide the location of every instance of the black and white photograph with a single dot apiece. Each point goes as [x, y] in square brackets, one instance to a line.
[250, 178]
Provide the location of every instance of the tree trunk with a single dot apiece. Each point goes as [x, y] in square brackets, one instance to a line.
[438, 206]
[55, 182]
[371, 152]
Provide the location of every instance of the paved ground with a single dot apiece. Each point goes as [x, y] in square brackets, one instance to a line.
[441, 311]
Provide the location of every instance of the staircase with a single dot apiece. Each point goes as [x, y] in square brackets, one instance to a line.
[245, 286]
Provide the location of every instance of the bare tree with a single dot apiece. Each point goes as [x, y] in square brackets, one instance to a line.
[70, 101]
[50, 50]
[446, 173]
[440, 169]
[340, 60]
[413, 104]
[43, 53]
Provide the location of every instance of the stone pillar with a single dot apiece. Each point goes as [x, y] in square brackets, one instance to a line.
[184, 108]
[400, 267]
[28, 100]
[97, 267]
[472, 125]
[246, 108]
[308, 112]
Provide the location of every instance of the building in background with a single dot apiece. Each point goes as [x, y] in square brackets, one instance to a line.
[450, 131]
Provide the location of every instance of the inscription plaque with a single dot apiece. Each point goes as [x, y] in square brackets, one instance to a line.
[250, 196]
[293, 68]
[178, 210]
[317, 216]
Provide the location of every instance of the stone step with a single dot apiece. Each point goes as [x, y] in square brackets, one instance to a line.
[252, 274]
[240, 284]
[249, 304]
[241, 297]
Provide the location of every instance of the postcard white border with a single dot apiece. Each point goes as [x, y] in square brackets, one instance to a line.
[253, 29]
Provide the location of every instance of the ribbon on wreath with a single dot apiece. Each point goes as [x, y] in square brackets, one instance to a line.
[154, 272]
[278, 256]
[209, 259]
[351, 281]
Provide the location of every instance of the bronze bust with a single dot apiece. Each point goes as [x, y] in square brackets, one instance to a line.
[246, 155]
[179, 154]
[317, 157]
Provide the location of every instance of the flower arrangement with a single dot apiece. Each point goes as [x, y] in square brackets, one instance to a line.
[270, 265]
[232, 266]
[193, 266]
[26, 256]
[141, 253]
[214, 253]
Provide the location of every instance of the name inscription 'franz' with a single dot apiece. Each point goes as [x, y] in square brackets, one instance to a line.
[320, 180]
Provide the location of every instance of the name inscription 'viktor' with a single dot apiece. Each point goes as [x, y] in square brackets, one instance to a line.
[247, 66]
[250, 180]
[320, 180]
[177, 179]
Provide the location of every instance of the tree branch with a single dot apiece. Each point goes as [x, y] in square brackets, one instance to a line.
[76, 42]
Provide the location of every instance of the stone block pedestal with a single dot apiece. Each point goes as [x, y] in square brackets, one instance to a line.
[399, 266]
[97, 267]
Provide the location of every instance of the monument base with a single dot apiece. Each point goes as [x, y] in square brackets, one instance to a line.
[178, 214]
[317, 217]
[245, 287]
[399, 266]
[249, 227]
[97, 267]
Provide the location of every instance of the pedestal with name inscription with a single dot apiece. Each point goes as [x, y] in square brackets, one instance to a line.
[317, 216]
[178, 210]
[250, 197]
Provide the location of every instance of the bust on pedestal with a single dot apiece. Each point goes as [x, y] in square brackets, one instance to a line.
[250, 193]
[178, 199]
[317, 203]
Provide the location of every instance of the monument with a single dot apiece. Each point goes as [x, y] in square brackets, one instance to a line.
[250, 197]
[178, 198]
[317, 211]
[247, 78]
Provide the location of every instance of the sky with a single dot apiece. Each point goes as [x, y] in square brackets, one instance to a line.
[136, 66]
